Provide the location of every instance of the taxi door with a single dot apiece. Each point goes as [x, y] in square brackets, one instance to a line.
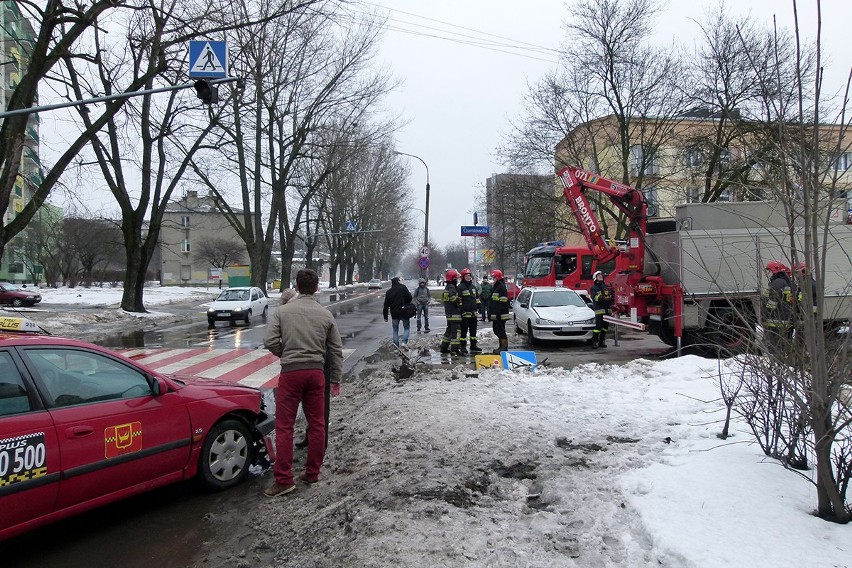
[115, 433]
[29, 451]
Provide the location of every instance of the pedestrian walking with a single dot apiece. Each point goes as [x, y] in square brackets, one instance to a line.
[396, 297]
[421, 302]
[452, 309]
[301, 332]
[484, 298]
[469, 312]
[498, 310]
[602, 300]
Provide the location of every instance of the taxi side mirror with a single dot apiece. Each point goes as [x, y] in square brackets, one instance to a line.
[159, 386]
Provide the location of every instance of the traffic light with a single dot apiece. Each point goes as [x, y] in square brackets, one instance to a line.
[207, 92]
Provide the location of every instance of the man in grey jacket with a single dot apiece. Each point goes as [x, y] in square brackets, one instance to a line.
[300, 332]
[421, 302]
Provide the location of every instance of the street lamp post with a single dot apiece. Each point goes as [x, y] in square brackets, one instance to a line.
[426, 225]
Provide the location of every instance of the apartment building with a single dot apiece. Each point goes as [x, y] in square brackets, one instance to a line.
[191, 226]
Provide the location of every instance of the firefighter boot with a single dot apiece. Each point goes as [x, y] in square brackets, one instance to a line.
[602, 340]
[595, 339]
[504, 344]
[474, 348]
[463, 347]
[445, 346]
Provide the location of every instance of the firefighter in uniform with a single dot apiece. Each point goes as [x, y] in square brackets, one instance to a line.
[602, 299]
[778, 304]
[469, 311]
[498, 309]
[452, 305]
[802, 274]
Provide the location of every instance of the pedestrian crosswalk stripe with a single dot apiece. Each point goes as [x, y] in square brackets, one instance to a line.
[250, 367]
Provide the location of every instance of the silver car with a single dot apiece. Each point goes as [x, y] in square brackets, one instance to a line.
[553, 313]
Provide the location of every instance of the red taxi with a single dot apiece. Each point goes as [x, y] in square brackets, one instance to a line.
[82, 426]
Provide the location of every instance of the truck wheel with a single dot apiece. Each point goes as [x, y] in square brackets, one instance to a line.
[727, 329]
[226, 455]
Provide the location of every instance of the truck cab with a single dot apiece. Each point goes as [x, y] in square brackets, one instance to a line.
[571, 267]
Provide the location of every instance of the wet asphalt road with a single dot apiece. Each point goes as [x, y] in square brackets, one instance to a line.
[168, 527]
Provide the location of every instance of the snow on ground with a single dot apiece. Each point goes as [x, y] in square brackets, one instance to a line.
[599, 465]
[554, 468]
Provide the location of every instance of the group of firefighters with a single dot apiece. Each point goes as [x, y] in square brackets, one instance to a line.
[465, 305]
[784, 299]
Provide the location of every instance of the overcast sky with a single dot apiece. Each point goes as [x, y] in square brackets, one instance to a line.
[459, 98]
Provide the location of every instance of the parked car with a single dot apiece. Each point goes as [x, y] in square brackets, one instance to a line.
[374, 284]
[17, 296]
[238, 304]
[553, 313]
[512, 291]
[82, 426]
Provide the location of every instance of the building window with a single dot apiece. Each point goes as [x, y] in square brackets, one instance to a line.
[184, 221]
[653, 201]
[694, 157]
[693, 194]
[641, 160]
[843, 162]
[184, 246]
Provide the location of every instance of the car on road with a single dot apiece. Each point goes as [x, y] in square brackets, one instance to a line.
[374, 284]
[14, 295]
[512, 291]
[554, 313]
[82, 426]
[238, 303]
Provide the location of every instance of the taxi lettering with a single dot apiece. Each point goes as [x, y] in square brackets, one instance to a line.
[122, 439]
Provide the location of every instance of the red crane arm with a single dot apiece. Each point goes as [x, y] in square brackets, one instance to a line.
[629, 200]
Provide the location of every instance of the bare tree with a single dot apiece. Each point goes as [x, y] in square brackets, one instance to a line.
[307, 88]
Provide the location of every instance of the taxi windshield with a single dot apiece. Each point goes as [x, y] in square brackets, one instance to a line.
[554, 298]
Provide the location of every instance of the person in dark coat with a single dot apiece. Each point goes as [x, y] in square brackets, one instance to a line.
[602, 300]
[498, 309]
[396, 296]
[452, 309]
[469, 311]
[484, 298]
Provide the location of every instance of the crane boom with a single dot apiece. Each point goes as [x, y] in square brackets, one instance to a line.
[629, 200]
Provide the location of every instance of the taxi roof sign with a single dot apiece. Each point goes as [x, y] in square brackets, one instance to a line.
[19, 325]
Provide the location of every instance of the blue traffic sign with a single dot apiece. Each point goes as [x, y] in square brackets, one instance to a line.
[208, 59]
[474, 231]
[351, 226]
[423, 263]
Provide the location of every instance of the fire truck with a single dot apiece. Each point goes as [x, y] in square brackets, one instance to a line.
[696, 278]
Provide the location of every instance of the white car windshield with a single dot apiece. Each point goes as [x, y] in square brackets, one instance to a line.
[554, 298]
[233, 296]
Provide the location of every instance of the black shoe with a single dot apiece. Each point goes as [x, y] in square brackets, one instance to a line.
[475, 350]
[594, 345]
[427, 330]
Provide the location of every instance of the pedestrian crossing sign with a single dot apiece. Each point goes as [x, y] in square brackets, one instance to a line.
[208, 59]
[514, 360]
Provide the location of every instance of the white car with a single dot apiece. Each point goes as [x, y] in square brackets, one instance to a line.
[241, 303]
[374, 284]
[555, 313]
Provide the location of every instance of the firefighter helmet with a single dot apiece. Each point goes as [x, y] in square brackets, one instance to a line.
[775, 267]
[596, 274]
[465, 272]
[800, 268]
[497, 274]
[452, 274]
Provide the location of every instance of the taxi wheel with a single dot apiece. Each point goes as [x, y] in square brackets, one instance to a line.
[17, 302]
[225, 456]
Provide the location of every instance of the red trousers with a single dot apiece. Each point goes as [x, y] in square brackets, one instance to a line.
[307, 387]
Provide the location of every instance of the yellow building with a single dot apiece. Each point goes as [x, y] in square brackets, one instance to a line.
[693, 158]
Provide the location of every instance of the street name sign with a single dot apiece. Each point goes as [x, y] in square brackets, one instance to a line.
[475, 231]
